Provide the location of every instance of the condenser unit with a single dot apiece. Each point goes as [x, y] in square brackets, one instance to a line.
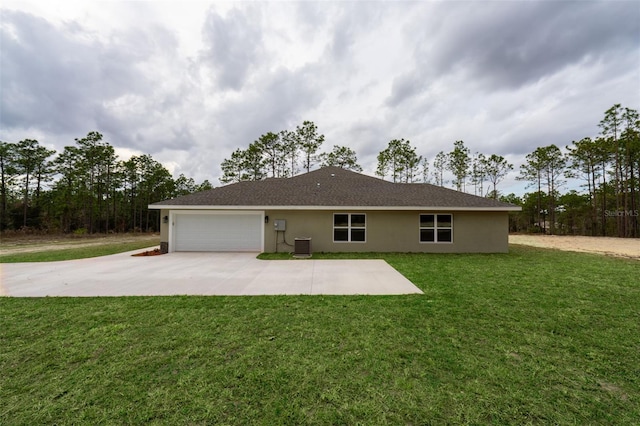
[302, 247]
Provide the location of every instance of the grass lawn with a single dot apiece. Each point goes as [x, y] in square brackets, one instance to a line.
[531, 337]
[73, 253]
[53, 248]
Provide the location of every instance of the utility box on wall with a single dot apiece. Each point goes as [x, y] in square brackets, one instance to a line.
[280, 224]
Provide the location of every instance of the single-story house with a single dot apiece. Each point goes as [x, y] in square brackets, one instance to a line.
[334, 210]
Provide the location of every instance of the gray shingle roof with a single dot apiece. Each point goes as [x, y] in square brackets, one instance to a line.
[336, 187]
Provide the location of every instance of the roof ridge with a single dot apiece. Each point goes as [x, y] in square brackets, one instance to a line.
[333, 186]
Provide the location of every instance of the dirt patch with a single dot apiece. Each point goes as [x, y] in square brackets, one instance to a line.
[621, 247]
[515, 356]
[610, 387]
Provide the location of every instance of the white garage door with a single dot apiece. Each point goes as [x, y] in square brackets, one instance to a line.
[218, 232]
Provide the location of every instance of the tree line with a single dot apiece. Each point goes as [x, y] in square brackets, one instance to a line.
[87, 188]
[84, 188]
[289, 152]
[401, 163]
[608, 166]
[285, 154]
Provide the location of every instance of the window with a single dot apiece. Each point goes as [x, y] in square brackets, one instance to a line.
[349, 227]
[436, 228]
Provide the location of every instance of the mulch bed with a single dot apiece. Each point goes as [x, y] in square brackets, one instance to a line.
[155, 252]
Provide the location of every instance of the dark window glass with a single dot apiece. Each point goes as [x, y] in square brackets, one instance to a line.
[426, 221]
[444, 221]
[358, 220]
[444, 235]
[427, 235]
[357, 235]
[349, 227]
[341, 235]
[341, 220]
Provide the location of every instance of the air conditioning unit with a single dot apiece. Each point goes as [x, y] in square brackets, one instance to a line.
[302, 247]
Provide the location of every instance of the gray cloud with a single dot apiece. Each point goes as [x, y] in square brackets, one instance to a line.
[38, 66]
[505, 45]
[277, 103]
[350, 23]
[59, 80]
[66, 80]
[233, 45]
[404, 87]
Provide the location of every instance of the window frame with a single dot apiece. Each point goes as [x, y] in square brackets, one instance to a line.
[349, 227]
[435, 227]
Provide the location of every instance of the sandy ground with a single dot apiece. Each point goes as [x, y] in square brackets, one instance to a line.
[623, 247]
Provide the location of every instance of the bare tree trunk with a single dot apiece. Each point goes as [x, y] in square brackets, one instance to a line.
[552, 207]
[544, 225]
[634, 217]
[604, 200]
[619, 191]
[592, 203]
[3, 198]
[626, 185]
[25, 200]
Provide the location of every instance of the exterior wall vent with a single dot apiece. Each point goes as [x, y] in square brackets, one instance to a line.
[302, 247]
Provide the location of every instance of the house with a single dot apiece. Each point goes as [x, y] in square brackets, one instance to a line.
[340, 211]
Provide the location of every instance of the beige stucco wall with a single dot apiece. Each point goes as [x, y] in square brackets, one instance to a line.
[387, 231]
[164, 227]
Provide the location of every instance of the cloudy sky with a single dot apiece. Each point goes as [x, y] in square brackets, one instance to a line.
[188, 82]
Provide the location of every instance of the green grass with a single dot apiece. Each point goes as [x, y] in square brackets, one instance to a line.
[74, 253]
[531, 337]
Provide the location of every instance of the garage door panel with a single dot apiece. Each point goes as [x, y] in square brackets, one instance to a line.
[218, 232]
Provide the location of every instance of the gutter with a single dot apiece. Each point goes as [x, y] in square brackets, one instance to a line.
[333, 208]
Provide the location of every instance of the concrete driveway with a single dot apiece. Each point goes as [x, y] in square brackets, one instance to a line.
[200, 274]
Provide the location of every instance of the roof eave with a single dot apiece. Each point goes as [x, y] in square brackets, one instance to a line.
[361, 208]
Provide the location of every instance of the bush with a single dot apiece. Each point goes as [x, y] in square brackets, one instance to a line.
[80, 231]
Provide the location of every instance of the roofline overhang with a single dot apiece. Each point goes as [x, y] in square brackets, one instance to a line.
[359, 208]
